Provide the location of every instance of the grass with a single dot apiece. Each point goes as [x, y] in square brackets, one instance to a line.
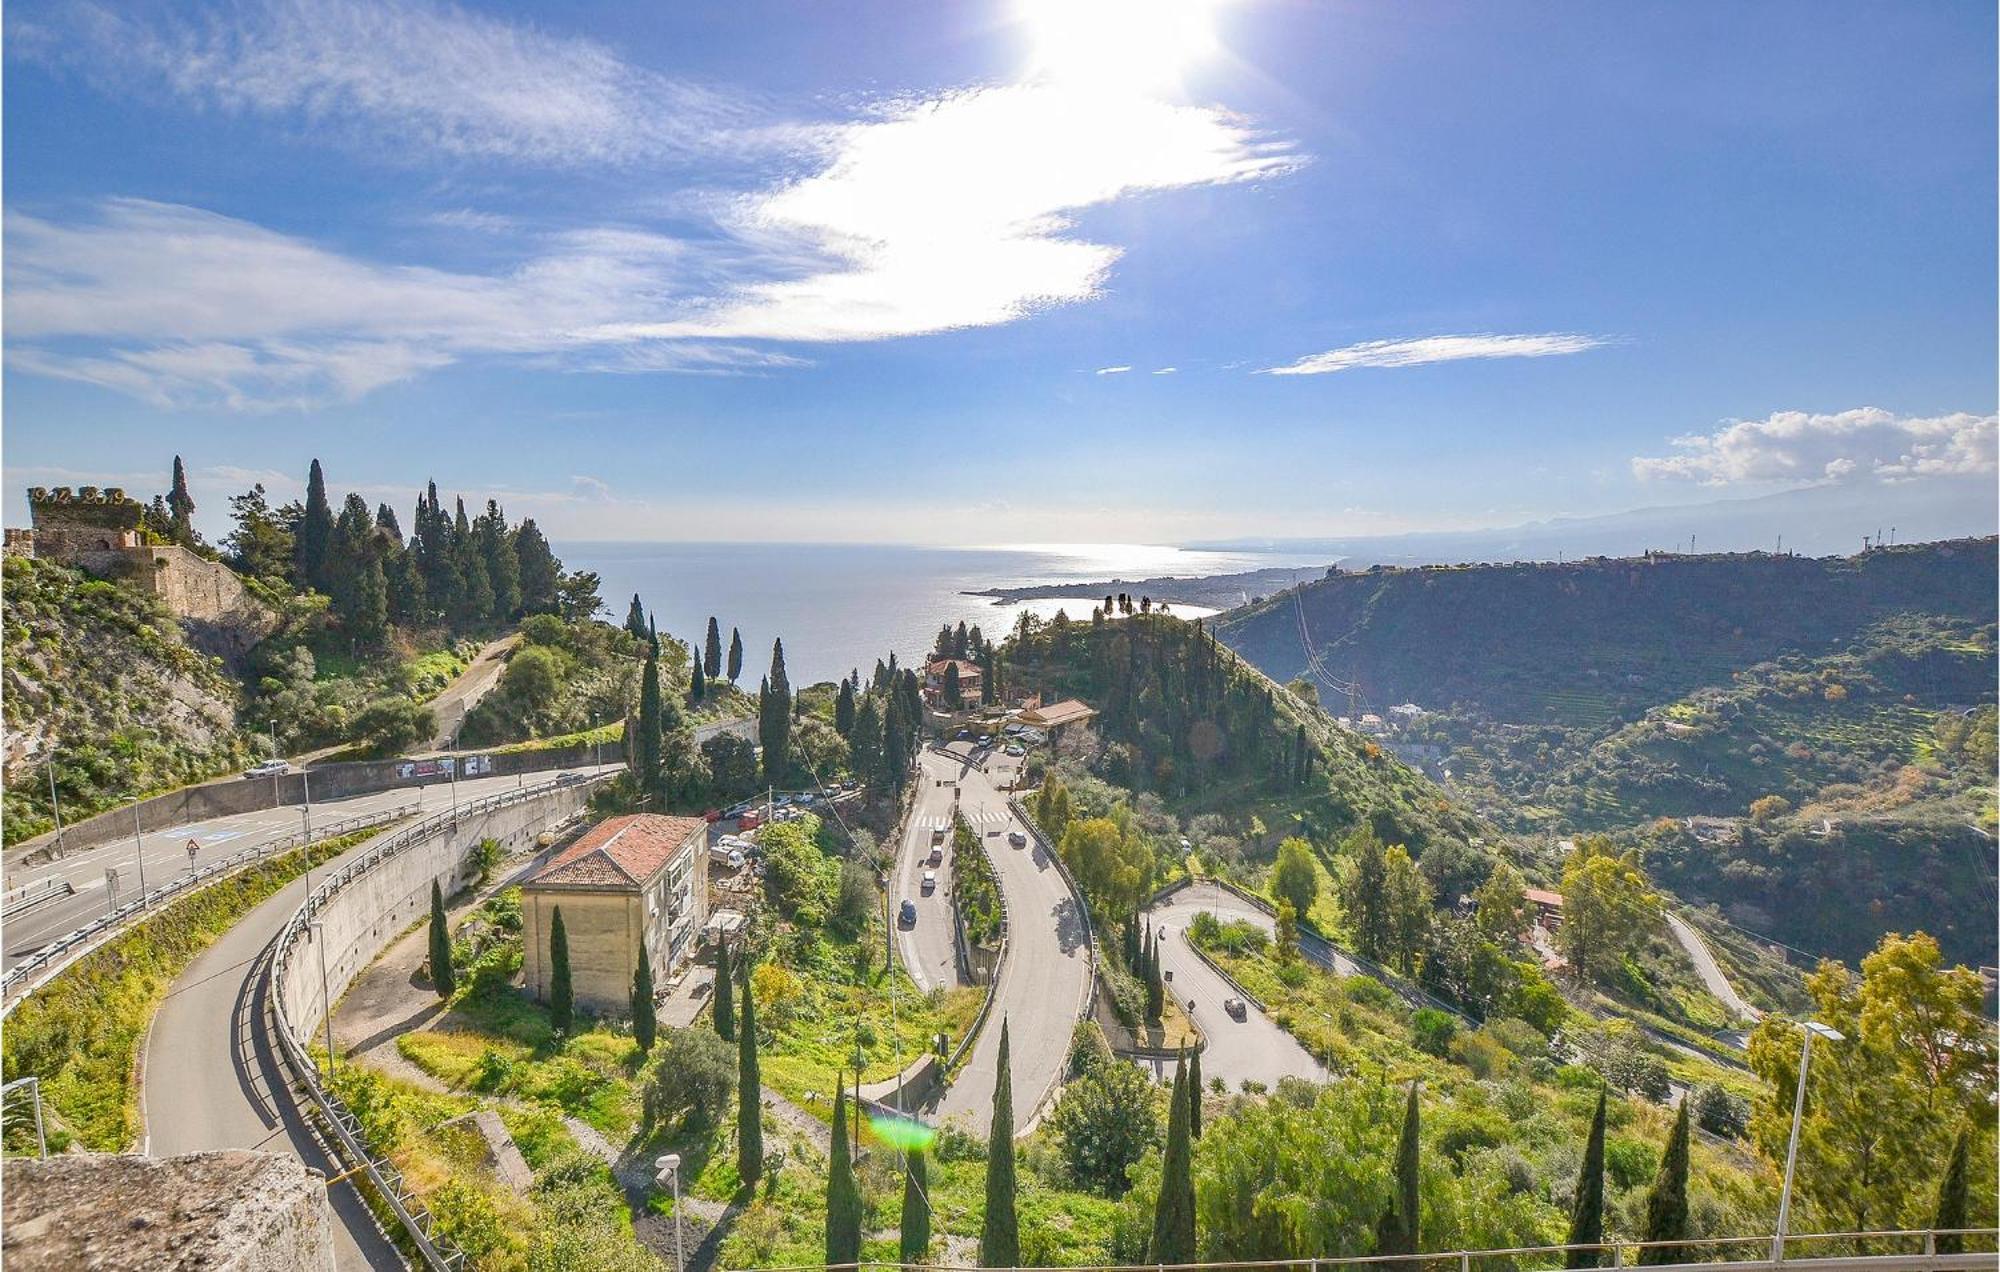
[613, 732]
[81, 1032]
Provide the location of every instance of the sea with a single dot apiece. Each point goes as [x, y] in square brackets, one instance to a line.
[839, 607]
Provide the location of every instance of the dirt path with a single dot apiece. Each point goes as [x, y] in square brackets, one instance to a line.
[452, 703]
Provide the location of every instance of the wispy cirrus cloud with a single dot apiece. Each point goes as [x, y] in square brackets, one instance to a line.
[1428, 349]
[422, 75]
[1800, 447]
[1112, 370]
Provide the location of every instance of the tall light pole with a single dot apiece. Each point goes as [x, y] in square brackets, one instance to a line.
[305, 778]
[55, 805]
[138, 847]
[1828, 1032]
[325, 996]
[452, 761]
[670, 1175]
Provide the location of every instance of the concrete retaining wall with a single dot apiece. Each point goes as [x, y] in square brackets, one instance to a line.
[374, 908]
[231, 795]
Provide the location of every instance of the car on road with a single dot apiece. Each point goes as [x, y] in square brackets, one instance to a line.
[1014, 749]
[737, 810]
[907, 916]
[1017, 839]
[985, 739]
[937, 855]
[1236, 1008]
[937, 834]
[930, 881]
[269, 768]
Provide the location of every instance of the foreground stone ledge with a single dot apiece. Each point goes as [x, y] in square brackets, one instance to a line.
[228, 1211]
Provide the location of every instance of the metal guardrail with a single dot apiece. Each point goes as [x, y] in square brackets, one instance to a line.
[349, 1142]
[31, 973]
[1921, 1253]
[29, 895]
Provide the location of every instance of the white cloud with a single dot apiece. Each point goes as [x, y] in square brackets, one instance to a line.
[1427, 349]
[1166, 370]
[954, 212]
[1112, 370]
[414, 74]
[1796, 447]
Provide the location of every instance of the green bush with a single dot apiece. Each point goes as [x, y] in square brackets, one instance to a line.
[1432, 1031]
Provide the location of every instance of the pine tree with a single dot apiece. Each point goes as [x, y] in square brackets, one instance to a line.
[1173, 1211]
[314, 537]
[954, 694]
[1397, 1232]
[646, 747]
[1586, 1222]
[1667, 1202]
[749, 1092]
[774, 718]
[735, 655]
[1194, 1094]
[725, 995]
[711, 650]
[1000, 1231]
[537, 568]
[915, 1229]
[442, 976]
[843, 1196]
[645, 1022]
[180, 506]
[635, 619]
[503, 567]
[1954, 1195]
[562, 1000]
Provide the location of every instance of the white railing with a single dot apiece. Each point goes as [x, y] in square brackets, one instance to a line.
[348, 1141]
[50, 961]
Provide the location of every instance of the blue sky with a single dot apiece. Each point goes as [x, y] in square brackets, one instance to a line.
[868, 271]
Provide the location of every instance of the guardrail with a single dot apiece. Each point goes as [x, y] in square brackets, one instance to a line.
[1704, 1253]
[1020, 808]
[349, 1143]
[29, 975]
[28, 896]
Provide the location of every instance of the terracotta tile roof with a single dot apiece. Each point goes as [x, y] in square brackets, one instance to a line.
[1542, 896]
[1057, 714]
[965, 669]
[619, 852]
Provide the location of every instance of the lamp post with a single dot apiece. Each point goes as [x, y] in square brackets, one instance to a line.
[670, 1176]
[596, 745]
[55, 805]
[325, 995]
[1828, 1032]
[453, 764]
[138, 848]
[305, 780]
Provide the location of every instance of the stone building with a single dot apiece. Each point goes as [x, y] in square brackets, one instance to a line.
[629, 887]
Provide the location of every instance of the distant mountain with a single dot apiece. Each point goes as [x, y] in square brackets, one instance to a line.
[1815, 521]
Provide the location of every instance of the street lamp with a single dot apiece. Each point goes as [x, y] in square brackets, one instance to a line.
[454, 777]
[596, 745]
[306, 783]
[670, 1176]
[1812, 1028]
[138, 847]
[325, 995]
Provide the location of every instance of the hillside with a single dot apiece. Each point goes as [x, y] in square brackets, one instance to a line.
[104, 674]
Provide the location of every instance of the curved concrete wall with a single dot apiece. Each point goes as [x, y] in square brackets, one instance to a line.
[379, 904]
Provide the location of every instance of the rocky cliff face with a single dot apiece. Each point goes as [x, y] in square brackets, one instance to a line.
[230, 1211]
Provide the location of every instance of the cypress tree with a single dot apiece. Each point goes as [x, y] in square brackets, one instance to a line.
[537, 568]
[1586, 1222]
[749, 1092]
[735, 655]
[711, 650]
[1173, 1212]
[843, 709]
[1397, 1231]
[181, 505]
[1194, 1094]
[725, 1002]
[635, 619]
[774, 718]
[1000, 1231]
[1667, 1202]
[1953, 1195]
[562, 1000]
[843, 1196]
[315, 533]
[441, 970]
[697, 681]
[915, 1229]
[646, 747]
[645, 1023]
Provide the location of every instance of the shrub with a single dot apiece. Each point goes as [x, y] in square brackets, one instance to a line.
[692, 1075]
[1432, 1031]
[1629, 1162]
[1719, 1112]
[1479, 1053]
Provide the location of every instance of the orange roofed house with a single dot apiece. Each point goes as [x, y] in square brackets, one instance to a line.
[630, 887]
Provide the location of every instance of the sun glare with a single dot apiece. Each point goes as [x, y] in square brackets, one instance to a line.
[1129, 44]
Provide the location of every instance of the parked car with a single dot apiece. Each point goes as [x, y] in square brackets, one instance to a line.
[269, 768]
[1235, 1008]
[986, 739]
[749, 820]
[850, 784]
[712, 816]
[937, 855]
[937, 834]
[1017, 839]
[930, 881]
[963, 735]
[1014, 749]
[737, 810]
[908, 914]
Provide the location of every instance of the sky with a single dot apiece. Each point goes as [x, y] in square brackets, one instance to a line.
[1000, 271]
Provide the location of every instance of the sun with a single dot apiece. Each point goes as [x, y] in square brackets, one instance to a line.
[1124, 44]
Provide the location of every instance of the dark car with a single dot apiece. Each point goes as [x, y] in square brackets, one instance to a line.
[907, 916]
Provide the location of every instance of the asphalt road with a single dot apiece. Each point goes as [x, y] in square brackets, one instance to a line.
[165, 854]
[1254, 1048]
[1709, 970]
[449, 708]
[212, 1077]
[1047, 969]
[926, 945]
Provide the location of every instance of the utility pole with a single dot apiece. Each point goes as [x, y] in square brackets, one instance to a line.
[138, 848]
[1812, 1028]
[452, 760]
[305, 778]
[325, 996]
[54, 803]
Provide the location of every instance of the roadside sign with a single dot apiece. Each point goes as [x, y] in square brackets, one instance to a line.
[193, 848]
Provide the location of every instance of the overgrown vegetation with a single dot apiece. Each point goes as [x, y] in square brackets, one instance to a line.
[81, 1033]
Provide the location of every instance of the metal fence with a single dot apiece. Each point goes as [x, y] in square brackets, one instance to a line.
[54, 958]
[348, 1142]
[1912, 1249]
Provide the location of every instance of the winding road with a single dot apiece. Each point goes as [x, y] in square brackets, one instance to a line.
[1710, 971]
[1253, 1049]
